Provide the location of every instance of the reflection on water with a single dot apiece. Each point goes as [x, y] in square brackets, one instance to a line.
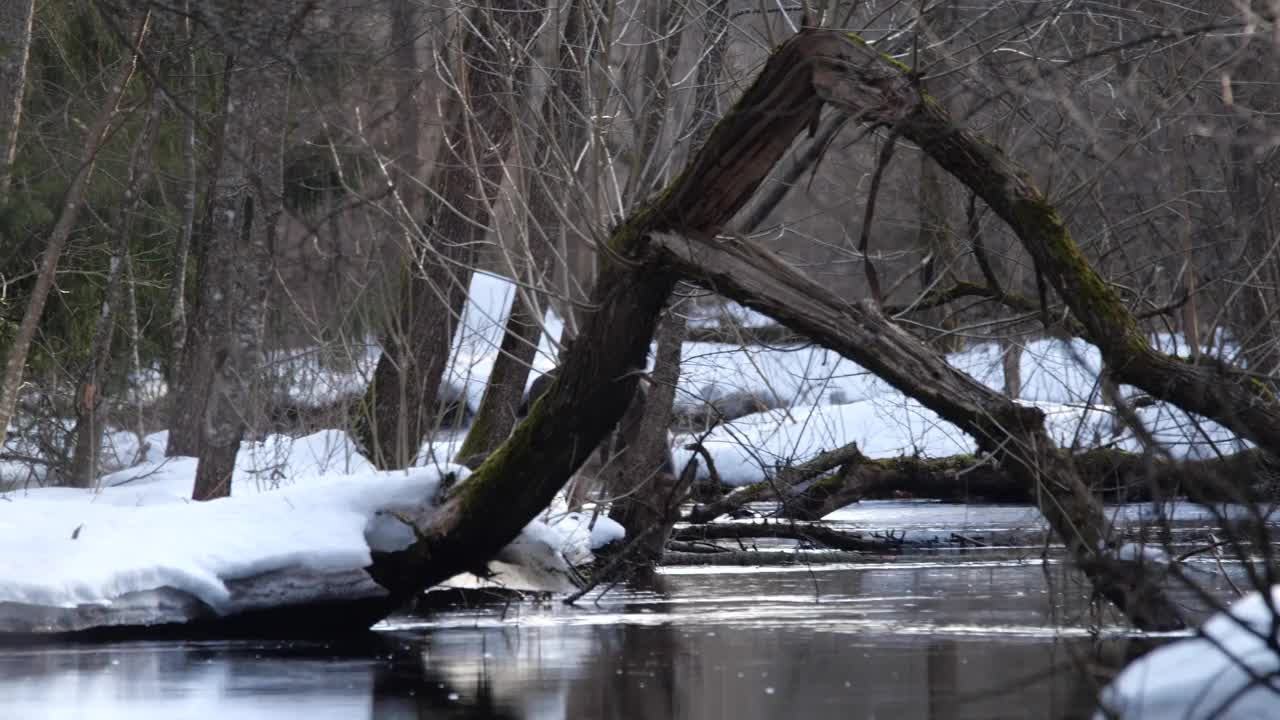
[942, 638]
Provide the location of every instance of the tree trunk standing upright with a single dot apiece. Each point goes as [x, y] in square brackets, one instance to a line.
[16, 18]
[182, 245]
[646, 501]
[16, 359]
[646, 496]
[191, 362]
[934, 236]
[406, 26]
[246, 205]
[551, 167]
[648, 158]
[1256, 314]
[84, 464]
[399, 404]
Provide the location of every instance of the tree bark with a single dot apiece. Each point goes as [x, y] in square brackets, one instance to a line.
[645, 490]
[563, 113]
[16, 17]
[186, 229]
[884, 95]
[16, 357]
[812, 490]
[595, 383]
[191, 368]
[398, 407]
[246, 205]
[598, 375]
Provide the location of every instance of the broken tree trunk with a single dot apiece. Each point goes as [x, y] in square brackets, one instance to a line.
[595, 383]
[1015, 435]
[676, 234]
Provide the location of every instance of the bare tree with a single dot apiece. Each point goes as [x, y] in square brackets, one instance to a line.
[550, 155]
[676, 235]
[186, 229]
[90, 396]
[469, 170]
[15, 44]
[73, 198]
[246, 206]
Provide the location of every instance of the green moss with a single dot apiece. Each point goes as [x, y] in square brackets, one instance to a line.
[481, 427]
[830, 482]
[1261, 389]
[1092, 300]
[887, 59]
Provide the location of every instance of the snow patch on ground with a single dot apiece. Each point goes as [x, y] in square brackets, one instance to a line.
[311, 377]
[1228, 672]
[75, 552]
[304, 516]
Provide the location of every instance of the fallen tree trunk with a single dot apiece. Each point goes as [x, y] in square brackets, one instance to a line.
[806, 532]
[674, 235]
[1013, 434]
[597, 379]
[1209, 388]
[777, 488]
[764, 557]
[1115, 475]
[732, 334]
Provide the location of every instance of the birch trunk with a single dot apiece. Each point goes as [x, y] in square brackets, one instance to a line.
[16, 18]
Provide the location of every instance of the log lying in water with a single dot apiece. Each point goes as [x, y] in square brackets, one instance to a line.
[810, 490]
[764, 557]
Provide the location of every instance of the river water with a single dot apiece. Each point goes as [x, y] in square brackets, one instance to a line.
[942, 635]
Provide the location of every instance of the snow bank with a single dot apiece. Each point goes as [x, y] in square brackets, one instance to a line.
[304, 518]
[1053, 371]
[1227, 673]
[65, 553]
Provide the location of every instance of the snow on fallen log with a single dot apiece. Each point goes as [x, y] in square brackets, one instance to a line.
[135, 553]
[1228, 672]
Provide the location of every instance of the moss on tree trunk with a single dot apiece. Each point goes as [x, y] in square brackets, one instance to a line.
[675, 235]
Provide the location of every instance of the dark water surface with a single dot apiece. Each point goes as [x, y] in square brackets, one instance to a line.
[949, 635]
